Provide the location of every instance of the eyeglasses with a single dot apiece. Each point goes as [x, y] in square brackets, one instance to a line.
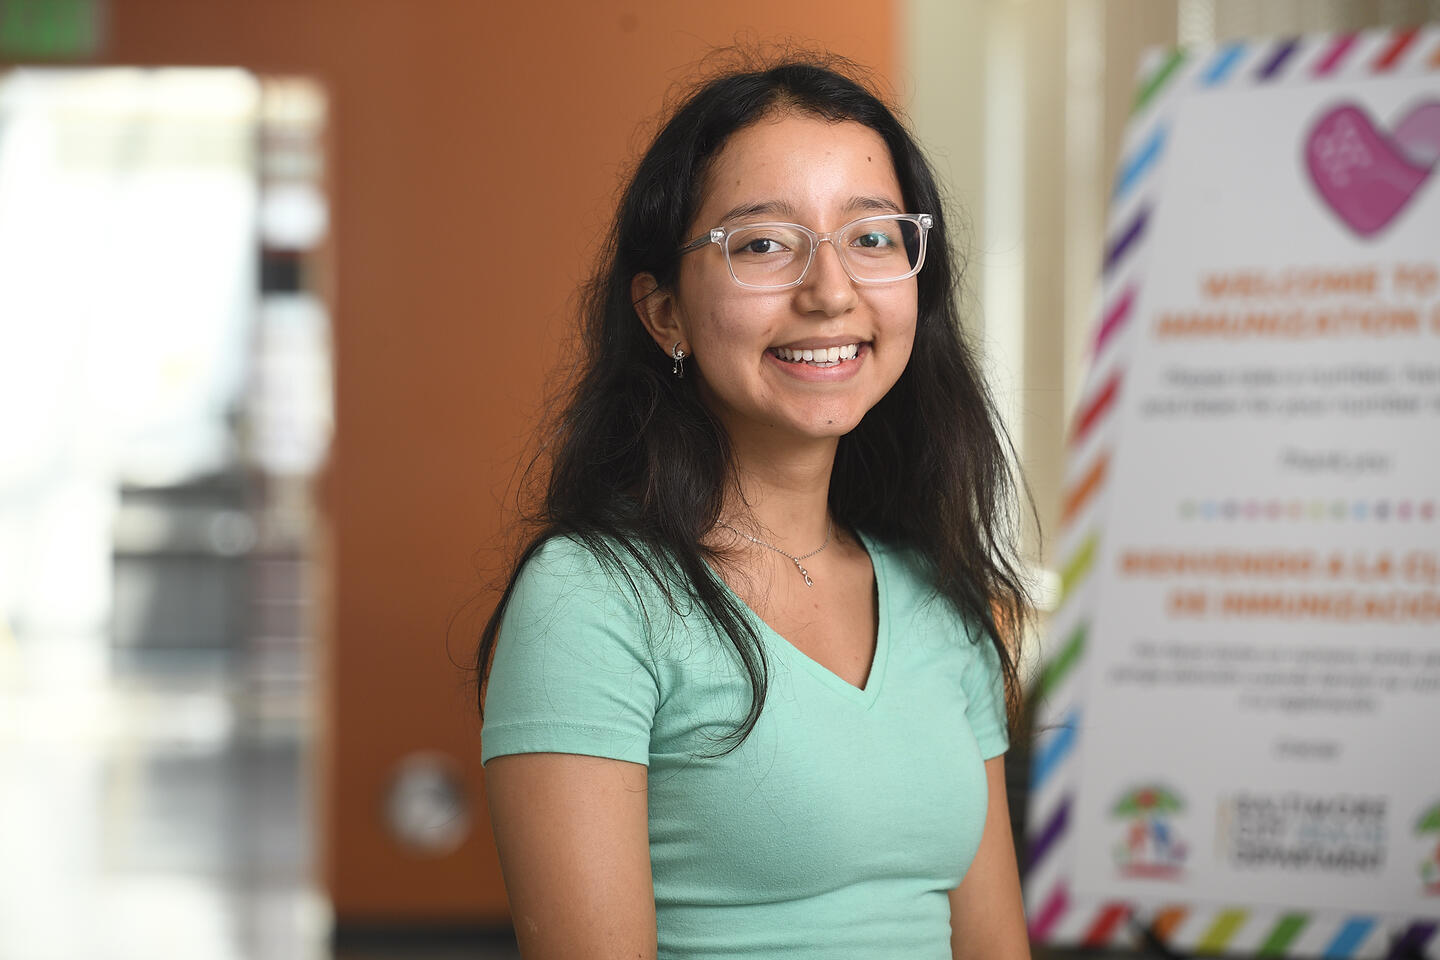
[773, 256]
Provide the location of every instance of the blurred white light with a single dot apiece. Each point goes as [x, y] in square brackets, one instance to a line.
[293, 216]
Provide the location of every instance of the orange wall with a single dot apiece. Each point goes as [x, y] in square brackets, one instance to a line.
[453, 121]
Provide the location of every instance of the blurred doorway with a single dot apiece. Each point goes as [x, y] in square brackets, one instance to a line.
[165, 408]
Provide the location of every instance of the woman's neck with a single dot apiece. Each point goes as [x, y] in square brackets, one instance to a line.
[783, 493]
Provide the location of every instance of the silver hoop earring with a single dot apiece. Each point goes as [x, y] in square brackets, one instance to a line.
[679, 356]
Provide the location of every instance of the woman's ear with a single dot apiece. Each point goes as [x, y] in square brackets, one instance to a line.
[656, 307]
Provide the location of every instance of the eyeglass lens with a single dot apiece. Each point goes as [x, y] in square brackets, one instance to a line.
[874, 249]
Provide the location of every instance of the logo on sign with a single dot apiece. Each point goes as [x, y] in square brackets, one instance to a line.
[1427, 828]
[1150, 847]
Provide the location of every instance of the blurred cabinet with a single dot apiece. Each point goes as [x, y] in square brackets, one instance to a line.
[182, 565]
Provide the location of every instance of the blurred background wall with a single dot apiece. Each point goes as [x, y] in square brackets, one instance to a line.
[450, 127]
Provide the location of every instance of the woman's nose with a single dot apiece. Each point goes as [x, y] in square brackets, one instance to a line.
[827, 288]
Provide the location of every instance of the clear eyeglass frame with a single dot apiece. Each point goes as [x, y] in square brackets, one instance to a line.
[718, 236]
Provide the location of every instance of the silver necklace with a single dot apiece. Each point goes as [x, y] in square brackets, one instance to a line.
[829, 529]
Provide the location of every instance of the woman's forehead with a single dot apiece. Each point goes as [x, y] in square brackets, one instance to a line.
[796, 166]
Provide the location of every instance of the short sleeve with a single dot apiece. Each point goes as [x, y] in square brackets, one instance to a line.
[985, 691]
[572, 672]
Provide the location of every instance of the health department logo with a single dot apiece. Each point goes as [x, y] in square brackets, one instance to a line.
[1427, 828]
[1151, 848]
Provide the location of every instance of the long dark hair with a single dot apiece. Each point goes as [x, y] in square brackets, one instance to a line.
[638, 466]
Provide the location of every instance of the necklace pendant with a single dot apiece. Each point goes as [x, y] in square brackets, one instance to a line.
[804, 573]
[829, 530]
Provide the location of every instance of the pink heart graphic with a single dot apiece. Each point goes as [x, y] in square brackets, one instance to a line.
[1365, 177]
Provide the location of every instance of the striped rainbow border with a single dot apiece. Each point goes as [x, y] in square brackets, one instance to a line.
[1055, 915]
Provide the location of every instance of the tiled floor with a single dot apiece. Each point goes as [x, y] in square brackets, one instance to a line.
[156, 807]
[150, 807]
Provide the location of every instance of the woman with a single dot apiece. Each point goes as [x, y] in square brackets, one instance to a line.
[748, 687]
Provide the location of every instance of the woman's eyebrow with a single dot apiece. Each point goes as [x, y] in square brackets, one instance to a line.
[766, 207]
[782, 208]
[882, 204]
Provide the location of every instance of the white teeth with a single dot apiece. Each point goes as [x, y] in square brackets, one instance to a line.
[823, 355]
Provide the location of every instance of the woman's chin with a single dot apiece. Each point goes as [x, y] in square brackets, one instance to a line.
[824, 425]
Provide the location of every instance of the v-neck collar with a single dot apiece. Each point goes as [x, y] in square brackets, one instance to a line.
[864, 696]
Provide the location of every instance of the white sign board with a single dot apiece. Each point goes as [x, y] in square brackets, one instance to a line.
[1238, 743]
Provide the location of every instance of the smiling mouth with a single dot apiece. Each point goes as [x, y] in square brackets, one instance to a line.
[822, 357]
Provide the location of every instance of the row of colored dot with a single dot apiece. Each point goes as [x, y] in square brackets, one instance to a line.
[1307, 510]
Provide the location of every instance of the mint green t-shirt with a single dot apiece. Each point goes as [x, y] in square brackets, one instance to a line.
[836, 829]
